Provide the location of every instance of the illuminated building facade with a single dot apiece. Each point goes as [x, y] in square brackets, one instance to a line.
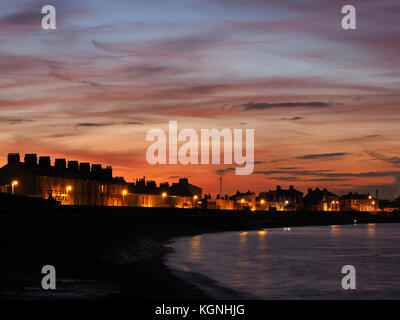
[359, 202]
[282, 199]
[221, 204]
[145, 193]
[73, 183]
[70, 184]
[244, 201]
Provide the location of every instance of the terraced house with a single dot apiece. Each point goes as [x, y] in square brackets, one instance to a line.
[69, 183]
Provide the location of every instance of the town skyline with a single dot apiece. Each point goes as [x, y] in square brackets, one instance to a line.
[71, 168]
[323, 101]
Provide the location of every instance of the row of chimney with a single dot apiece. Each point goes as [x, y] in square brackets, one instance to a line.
[60, 165]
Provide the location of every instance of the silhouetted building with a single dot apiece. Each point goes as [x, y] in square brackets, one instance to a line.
[390, 206]
[282, 199]
[146, 187]
[321, 200]
[184, 188]
[73, 185]
[244, 201]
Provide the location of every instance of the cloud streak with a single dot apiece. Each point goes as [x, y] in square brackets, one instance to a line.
[265, 105]
[321, 156]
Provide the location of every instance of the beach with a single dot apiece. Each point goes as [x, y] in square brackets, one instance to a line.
[120, 255]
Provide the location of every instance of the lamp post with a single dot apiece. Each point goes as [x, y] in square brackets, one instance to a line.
[195, 200]
[69, 188]
[164, 195]
[13, 185]
[262, 201]
[124, 193]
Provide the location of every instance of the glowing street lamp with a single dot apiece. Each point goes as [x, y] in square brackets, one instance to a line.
[124, 193]
[13, 185]
[195, 197]
[241, 203]
[69, 188]
[164, 195]
[262, 201]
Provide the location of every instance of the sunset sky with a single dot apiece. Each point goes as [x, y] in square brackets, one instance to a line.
[324, 102]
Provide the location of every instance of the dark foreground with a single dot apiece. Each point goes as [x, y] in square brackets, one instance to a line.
[117, 253]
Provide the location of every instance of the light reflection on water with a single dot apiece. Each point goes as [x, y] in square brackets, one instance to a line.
[196, 250]
[297, 263]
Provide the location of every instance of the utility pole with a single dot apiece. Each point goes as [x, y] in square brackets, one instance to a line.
[220, 186]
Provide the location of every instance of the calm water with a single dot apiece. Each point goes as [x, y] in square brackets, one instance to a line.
[292, 263]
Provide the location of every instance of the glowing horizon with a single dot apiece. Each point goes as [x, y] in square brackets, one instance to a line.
[324, 102]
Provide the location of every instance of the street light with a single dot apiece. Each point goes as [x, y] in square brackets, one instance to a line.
[13, 185]
[124, 193]
[262, 201]
[241, 204]
[195, 197]
[69, 188]
[164, 195]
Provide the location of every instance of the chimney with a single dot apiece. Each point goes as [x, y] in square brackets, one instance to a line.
[60, 164]
[291, 188]
[183, 181]
[278, 187]
[44, 162]
[96, 171]
[84, 169]
[13, 158]
[309, 190]
[107, 172]
[73, 166]
[31, 160]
